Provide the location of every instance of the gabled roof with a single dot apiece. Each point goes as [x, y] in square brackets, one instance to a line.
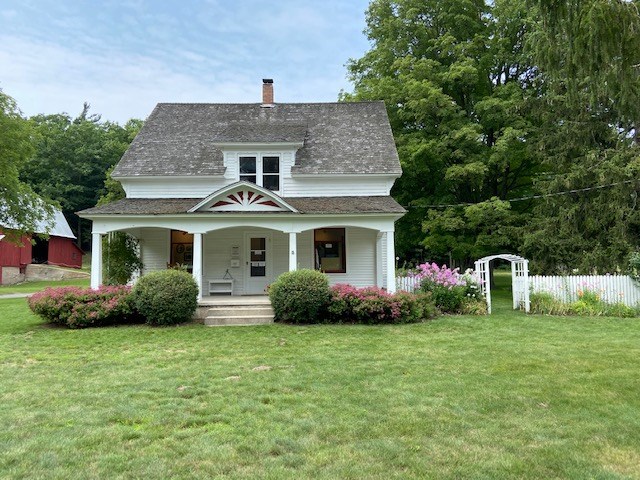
[304, 205]
[338, 138]
[57, 226]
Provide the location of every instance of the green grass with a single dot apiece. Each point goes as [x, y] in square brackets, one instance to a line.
[506, 396]
[31, 287]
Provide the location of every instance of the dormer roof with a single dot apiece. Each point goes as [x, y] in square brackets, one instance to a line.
[333, 138]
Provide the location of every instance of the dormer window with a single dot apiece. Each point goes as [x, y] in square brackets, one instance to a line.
[263, 170]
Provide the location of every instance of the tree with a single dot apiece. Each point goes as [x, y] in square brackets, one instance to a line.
[589, 52]
[592, 47]
[71, 159]
[457, 84]
[20, 208]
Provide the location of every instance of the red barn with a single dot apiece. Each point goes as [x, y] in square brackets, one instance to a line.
[59, 249]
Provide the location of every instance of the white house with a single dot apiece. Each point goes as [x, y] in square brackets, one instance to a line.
[240, 193]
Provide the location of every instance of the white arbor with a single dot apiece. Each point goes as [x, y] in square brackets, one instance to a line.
[519, 279]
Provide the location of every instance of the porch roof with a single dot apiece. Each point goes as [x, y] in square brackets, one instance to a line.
[305, 205]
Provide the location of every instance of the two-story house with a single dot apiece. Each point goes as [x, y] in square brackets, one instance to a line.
[240, 193]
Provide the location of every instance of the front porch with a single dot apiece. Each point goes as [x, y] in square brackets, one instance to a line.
[235, 264]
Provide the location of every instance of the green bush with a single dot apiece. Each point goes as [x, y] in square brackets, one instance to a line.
[301, 296]
[448, 299]
[474, 306]
[588, 305]
[546, 304]
[166, 297]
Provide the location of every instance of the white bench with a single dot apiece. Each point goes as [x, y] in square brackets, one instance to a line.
[221, 286]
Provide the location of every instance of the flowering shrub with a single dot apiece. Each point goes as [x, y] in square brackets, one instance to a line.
[373, 305]
[78, 307]
[452, 292]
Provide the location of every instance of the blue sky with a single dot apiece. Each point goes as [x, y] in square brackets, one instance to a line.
[125, 56]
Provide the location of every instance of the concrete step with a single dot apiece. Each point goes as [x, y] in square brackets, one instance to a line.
[238, 320]
[240, 311]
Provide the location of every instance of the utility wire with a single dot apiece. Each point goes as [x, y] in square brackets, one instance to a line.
[532, 197]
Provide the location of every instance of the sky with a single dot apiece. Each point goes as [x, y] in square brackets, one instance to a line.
[123, 57]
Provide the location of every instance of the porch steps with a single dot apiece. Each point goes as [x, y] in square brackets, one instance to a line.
[241, 314]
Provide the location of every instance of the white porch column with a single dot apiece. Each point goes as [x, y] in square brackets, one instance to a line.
[96, 260]
[379, 277]
[391, 263]
[293, 251]
[197, 261]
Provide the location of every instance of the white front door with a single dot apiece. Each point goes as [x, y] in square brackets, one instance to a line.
[258, 263]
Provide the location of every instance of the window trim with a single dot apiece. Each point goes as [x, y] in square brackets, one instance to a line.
[259, 156]
[344, 249]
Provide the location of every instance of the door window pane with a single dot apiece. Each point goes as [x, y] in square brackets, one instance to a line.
[258, 257]
[247, 165]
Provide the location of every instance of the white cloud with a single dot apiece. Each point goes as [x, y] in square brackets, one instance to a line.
[123, 65]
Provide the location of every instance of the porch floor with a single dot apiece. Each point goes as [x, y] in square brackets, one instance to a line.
[235, 300]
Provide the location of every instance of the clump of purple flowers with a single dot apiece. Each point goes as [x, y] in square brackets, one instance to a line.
[447, 277]
[452, 291]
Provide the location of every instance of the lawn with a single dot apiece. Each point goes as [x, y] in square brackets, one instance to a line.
[31, 287]
[506, 396]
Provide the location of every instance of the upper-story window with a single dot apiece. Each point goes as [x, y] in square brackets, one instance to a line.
[263, 170]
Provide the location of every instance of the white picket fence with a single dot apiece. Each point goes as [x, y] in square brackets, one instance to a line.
[612, 288]
[407, 284]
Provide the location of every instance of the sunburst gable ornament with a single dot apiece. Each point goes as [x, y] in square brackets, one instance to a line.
[246, 200]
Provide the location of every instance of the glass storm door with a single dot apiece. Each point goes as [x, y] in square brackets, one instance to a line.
[258, 268]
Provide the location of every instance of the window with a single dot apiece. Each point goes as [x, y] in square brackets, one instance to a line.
[182, 249]
[330, 252]
[248, 169]
[263, 171]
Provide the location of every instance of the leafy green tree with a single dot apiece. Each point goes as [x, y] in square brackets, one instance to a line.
[589, 52]
[72, 156]
[20, 207]
[457, 84]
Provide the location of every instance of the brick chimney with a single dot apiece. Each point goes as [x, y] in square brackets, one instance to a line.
[267, 92]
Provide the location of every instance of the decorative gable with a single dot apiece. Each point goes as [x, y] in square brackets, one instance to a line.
[243, 197]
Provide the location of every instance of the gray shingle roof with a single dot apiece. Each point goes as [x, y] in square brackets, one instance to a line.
[339, 138]
[305, 205]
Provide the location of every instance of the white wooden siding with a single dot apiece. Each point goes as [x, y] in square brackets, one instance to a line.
[154, 244]
[338, 186]
[612, 288]
[361, 254]
[361, 258]
[176, 187]
[290, 186]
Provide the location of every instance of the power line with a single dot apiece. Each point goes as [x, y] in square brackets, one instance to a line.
[532, 197]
